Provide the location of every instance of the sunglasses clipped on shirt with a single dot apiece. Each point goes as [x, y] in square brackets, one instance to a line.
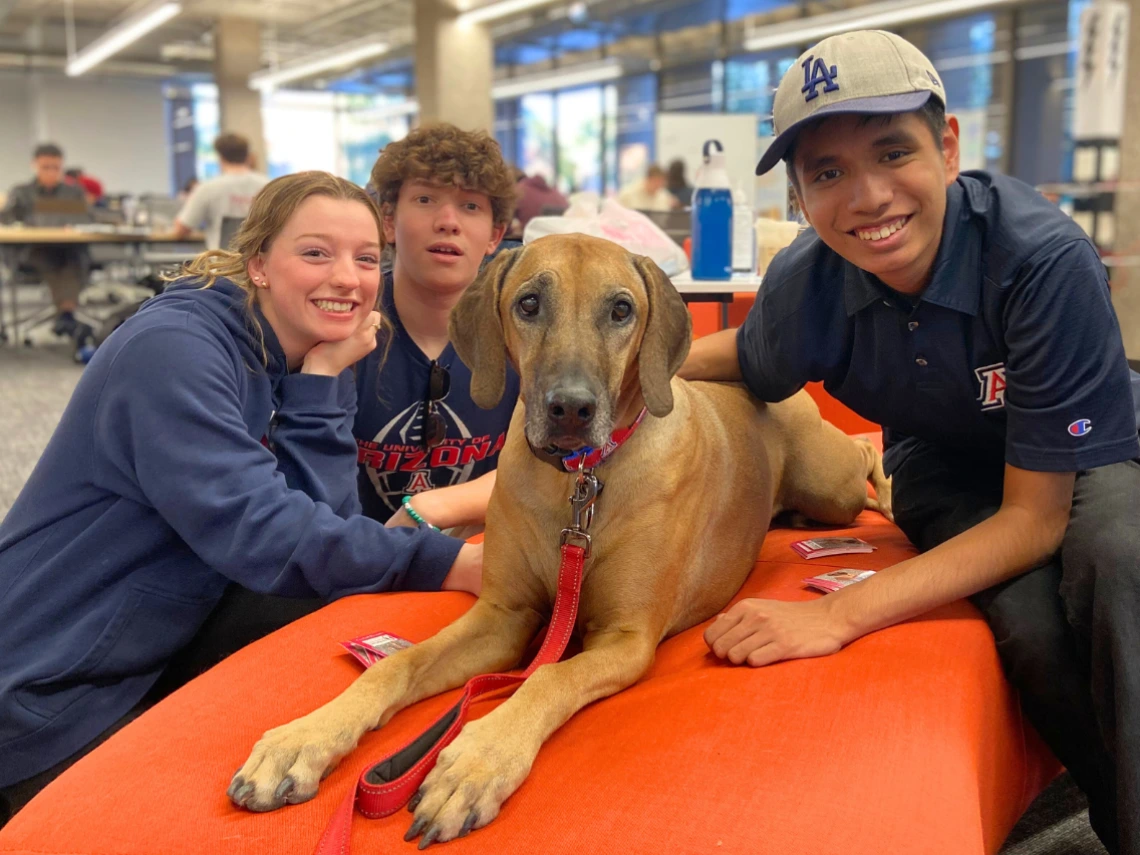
[439, 384]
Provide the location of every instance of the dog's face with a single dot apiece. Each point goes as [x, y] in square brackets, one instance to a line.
[589, 327]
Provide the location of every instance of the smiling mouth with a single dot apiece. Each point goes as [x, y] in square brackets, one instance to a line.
[338, 306]
[881, 232]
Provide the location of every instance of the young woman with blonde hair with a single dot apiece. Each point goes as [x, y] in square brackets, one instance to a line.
[204, 468]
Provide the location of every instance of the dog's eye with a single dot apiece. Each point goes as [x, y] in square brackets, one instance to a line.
[622, 310]
[528, 305]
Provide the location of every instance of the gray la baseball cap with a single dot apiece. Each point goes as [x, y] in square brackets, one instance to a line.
[866, 71]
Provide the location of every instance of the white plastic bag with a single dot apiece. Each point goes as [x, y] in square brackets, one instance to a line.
[630, 229]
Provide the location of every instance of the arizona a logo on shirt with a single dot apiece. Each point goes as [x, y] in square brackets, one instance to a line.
[992, 380]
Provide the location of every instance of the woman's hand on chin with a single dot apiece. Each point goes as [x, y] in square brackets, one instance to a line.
[330, 358]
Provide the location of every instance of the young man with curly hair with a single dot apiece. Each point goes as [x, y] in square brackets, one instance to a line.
[426, 452]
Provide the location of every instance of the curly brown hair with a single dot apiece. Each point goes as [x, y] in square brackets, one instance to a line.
[442, 153]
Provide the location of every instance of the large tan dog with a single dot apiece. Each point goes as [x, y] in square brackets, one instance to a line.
[595, 333]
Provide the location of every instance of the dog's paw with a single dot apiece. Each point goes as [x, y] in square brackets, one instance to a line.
[471, 780]
[287, 765]
[883, 499]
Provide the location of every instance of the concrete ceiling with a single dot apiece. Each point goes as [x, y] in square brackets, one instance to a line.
[37, 29]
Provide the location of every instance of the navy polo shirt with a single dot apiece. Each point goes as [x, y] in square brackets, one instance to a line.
[1012, 352]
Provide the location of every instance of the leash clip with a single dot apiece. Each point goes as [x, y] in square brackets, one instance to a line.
[586, 490]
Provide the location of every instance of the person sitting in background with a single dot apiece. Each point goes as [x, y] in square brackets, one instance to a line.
[92, 187]
[228, 195]
[536, 198]
[446, 197]
[44, 202]
[678, 185]
[203, 471]
[648, 193]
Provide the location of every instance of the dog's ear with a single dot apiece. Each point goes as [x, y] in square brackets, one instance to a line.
[476, 330]
[665, 343]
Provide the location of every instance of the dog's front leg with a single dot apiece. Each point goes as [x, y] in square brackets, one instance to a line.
[289, 762]
[492, 756]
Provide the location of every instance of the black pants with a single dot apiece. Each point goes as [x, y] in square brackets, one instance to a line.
[1068, 632]
[241, 617]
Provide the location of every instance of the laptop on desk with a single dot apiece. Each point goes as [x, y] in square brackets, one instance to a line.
[52, 212]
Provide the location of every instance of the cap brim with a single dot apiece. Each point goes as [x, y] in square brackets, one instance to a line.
[904, 102]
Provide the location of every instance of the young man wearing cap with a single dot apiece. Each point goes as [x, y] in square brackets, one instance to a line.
[972, 319]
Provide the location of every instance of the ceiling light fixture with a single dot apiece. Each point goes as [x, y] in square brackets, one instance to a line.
[501, 9]
[888, 15]
[124, 33]
[341, 57]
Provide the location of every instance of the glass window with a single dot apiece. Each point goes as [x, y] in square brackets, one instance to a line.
[689, 89]
[678, 17]
[572, 41]
[364, 126]
[1042, 115]
[734, 10]
[609, 144]
[972, 57]
[536, 135]
[751, 81]
[282, 113]
[635, 112]
[506, 128]
[206, 128]
[580, 139]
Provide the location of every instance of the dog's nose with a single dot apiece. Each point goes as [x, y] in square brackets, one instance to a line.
[570, 409]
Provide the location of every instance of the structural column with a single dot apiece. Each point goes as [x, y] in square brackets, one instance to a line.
[454, 68]
[237, 55]
[1126, 278]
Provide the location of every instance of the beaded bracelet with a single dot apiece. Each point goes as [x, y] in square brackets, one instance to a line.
[416, 518]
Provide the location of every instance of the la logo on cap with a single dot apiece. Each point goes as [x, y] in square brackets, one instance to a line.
[816, 73]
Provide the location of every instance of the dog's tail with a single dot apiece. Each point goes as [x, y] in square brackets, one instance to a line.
[878, 479]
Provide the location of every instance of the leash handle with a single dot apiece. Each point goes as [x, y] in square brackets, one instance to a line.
[387, 785]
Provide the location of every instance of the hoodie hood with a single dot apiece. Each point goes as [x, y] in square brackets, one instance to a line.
[225, 301]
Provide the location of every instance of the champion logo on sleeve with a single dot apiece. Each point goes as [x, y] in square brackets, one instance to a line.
[1081, 427]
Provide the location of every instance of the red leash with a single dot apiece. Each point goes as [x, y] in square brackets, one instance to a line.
[385, 787]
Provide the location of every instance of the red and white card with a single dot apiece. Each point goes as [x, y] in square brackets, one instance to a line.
[836, 579]
[370, 649]
[820, 547]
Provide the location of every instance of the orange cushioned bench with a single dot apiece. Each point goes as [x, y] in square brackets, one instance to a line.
[907, 741]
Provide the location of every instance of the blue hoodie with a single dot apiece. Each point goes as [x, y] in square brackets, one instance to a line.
[181, 463]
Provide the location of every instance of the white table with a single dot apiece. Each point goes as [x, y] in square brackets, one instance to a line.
[143, 247]
[715, 290]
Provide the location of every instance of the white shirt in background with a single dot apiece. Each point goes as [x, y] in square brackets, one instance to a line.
[221, 197]
[635, 196]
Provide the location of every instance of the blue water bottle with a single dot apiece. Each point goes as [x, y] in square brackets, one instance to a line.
[712, 217]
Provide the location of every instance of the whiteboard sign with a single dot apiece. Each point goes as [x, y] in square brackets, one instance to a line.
[681, 136]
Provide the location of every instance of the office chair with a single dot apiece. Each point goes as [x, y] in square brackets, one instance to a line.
[47, 212]
[230, 226]
[14, 326]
